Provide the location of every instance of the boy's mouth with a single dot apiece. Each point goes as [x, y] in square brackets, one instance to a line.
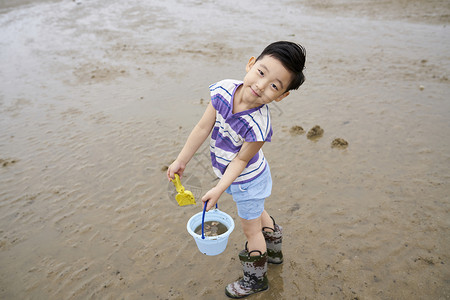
[254, 93]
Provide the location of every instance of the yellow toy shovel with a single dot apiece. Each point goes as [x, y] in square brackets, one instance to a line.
[183, 197]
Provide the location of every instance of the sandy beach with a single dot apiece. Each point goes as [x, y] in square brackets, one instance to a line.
[97, 99]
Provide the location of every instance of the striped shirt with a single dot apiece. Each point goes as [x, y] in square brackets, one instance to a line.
[231, 130]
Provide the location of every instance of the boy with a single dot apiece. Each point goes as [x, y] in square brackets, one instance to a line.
[239, 118]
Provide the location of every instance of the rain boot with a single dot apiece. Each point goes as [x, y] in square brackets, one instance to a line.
[255, 278]
[273, 243]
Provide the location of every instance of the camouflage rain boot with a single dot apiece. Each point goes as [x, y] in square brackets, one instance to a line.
[273, 243]
[254, 280]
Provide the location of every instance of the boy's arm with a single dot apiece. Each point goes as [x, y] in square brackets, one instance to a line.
[234, 169]
[198, 135]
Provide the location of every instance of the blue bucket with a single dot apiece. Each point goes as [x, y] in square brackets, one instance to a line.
[210, 245]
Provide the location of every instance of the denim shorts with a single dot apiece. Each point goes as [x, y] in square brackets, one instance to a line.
[250, 196]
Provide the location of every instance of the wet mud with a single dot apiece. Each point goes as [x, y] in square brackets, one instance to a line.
[97, 98]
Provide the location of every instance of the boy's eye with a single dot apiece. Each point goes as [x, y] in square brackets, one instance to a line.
[274, 86]
[260, 72]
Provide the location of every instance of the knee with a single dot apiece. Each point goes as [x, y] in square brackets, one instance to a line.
[252, 232]
[251, 228]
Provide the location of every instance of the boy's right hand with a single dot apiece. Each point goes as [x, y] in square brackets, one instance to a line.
[176, 167]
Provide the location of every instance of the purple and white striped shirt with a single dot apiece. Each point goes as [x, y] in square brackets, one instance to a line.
[231, 130]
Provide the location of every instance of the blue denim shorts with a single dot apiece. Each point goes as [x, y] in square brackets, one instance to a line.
[250, 196]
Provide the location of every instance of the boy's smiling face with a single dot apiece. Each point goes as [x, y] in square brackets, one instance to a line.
[266, 81]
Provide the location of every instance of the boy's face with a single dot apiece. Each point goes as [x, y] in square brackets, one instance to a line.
[266, 80]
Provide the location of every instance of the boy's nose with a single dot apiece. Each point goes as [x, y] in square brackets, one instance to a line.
[261, 84]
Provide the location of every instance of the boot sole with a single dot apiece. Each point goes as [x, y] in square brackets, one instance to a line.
[275, 261]
[240, 297]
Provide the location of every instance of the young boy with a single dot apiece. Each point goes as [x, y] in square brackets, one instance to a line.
[239, 118]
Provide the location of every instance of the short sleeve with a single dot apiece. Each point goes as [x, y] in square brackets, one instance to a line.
[221, 93]
[259, 126]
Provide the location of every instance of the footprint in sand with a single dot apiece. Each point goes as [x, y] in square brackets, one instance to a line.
[315, 133]
[296, 130]
[339, 143]
[6, 162]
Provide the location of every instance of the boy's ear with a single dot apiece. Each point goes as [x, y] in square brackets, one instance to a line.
[250, 63]
[284, 95]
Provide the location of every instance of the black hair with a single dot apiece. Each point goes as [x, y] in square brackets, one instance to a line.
[292, 56]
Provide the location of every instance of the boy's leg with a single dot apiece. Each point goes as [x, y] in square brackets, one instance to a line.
[273, 235]
[266, 221]
[255, 238]
[253, 260]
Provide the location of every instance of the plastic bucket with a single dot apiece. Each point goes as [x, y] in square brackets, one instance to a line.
[211, 245]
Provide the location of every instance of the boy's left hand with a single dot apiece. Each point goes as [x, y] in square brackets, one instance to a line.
[212, 196]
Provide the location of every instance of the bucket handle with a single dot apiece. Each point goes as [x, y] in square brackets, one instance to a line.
[203, 220]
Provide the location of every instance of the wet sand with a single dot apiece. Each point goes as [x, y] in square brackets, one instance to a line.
[97, 99]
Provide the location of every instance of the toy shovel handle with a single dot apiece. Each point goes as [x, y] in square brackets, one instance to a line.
[203, 219]
[177, 184]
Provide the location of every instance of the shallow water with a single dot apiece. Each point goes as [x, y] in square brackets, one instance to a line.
[97, 99]
[211, 228]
